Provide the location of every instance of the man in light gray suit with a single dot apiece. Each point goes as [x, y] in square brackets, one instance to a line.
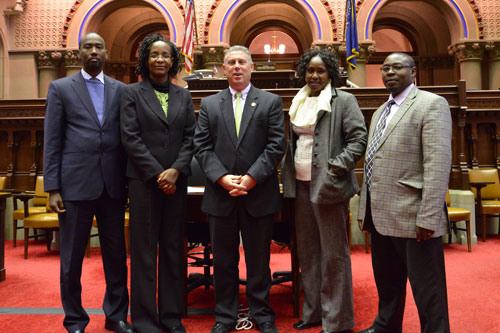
[402, 204]
[239, 142]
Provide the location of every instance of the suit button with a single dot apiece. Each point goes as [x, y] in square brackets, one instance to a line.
[315, 165]
[165, 146]
[166, 131]
[316, 144]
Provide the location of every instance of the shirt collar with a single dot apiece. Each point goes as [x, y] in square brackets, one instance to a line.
[99, 76]
[399, 99]
[244, 92]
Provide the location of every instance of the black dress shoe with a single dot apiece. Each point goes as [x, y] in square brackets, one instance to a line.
[346, 331]
[368, 330]
[302, 325]
[77, 331]
[268, 327]
[177, 329]
[222, 328]
[121, 326]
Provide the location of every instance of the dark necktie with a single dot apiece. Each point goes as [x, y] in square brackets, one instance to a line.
[96, 92]
[375, 142]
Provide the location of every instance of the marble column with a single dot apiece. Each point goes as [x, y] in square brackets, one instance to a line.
[72, 62]
[358, 76]
[493, 48]
[47, 62]
[469, 54]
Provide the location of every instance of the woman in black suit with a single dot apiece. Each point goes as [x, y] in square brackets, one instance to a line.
[157, 126]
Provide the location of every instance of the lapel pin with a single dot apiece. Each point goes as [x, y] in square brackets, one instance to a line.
[254, 104]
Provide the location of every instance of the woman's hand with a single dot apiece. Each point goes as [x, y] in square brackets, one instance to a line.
[166, 180]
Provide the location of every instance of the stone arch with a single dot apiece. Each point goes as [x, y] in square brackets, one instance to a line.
[460, 16]
[313, 21]
[88, 16]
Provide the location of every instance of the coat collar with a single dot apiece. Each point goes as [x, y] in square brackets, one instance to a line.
[226, 107]
[153, 103]
[404, 107]
[80, 88]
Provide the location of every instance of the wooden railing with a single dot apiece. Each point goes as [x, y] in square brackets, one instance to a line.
[476, 130]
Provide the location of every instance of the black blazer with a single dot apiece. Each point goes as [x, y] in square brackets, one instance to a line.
[77, 148]
[152, 141]
[257, 151]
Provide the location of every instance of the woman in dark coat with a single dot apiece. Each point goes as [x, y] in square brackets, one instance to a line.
[157, 127]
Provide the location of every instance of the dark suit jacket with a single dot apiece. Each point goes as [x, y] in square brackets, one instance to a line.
[257, 151]
[154, 142]
[82, 156]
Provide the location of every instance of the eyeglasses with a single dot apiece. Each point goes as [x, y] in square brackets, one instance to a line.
[395, 68]
[155, 56]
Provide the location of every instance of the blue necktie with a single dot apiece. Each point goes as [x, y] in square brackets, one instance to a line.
[375, 142]
[96, 92]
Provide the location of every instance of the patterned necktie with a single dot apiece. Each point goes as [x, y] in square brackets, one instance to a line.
[96, 92]
[238, 112]
[375, 142]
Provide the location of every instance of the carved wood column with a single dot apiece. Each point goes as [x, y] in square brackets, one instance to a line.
[473, 140]
[493, 48]
[117, 70]
[469, 53]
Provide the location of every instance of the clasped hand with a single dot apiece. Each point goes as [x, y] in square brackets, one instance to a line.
[237, 185]
[166, 180]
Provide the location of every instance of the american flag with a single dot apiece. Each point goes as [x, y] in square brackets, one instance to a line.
[188, 42]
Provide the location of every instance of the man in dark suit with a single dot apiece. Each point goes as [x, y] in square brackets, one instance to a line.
[239, 142]
[84, 174]
[407, 166]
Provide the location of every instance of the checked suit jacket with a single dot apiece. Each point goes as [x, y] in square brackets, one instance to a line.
[411, 168]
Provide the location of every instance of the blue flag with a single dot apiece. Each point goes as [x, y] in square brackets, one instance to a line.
[351, 35]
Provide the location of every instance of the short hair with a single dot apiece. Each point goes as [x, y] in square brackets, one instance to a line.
[85, 37]
[238, 48]
[408, 57]
[327, 57]
[144, 48]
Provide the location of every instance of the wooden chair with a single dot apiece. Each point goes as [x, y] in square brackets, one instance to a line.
[486, 187]
[39, 206]
[456, 215]
[48, 221]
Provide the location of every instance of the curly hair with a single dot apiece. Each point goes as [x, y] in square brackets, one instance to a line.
[142, 61]
[327, 57]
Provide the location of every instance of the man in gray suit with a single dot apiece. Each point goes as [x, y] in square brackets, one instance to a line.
[84, 174]
[402, 204]
[239, 142]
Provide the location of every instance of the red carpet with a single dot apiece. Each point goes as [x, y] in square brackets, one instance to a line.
[473, 291]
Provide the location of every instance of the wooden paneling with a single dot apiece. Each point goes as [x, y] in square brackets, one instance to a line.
[476, 130]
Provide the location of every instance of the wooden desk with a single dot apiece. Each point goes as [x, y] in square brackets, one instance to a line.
[3, 199]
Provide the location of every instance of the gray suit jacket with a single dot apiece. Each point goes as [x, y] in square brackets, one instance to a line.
[411, 168]
[339, 142]
[77, 148]
[257, 150]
